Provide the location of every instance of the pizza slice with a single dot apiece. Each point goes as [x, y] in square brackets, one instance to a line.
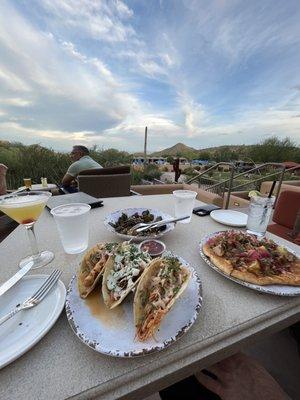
[258, 261]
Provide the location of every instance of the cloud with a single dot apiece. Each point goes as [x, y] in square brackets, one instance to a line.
[194, 114]
[100, 71]
[66, 87]
[57, 138]
[16, 101]
[100, 20]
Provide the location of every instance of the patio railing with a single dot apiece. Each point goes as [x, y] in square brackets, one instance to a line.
[206, 182]
[244, 181]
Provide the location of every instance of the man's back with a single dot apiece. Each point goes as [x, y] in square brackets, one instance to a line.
[84, 163]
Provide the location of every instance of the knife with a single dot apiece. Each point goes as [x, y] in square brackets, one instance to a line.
[14, 279]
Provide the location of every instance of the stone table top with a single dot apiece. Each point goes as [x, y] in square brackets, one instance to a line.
[61, 367]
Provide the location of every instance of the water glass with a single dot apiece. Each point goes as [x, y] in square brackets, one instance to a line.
[260, 210]
[72, 221]
[184, 204]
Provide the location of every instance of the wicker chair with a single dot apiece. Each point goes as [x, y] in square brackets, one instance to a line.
[105, 182]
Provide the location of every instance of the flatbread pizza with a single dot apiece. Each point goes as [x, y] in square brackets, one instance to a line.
[92, 267]
[122, 272]
[160, 286]
[258, 261]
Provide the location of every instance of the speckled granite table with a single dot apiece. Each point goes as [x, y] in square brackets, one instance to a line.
[61, 367]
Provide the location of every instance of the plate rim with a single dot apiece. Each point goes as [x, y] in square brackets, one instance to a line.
[50, 324]
[169, 228]
[212, 214]
[259, 288]
[80, 335]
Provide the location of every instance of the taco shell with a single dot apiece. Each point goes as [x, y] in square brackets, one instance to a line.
[147, 323]
[108, 298]
[91, 269]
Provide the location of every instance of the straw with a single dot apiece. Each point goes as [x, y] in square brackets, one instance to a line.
[272, 189]
[266, 206]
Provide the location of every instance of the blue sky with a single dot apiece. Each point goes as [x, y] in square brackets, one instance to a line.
[205, 73]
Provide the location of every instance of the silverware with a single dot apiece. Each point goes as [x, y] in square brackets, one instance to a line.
[20, 190]
[143, 227]
[14, 279]
[36, 298]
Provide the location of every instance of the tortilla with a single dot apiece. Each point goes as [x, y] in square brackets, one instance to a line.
[148, 313]
[134, 264]
[92, 267]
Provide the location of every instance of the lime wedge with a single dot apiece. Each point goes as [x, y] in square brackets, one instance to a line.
[254, 193]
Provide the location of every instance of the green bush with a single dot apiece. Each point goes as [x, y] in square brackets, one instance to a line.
[110, 157]
[36, 161]
[149, 172]
[32, 162]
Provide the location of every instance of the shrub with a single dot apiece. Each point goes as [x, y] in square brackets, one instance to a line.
[149, 172]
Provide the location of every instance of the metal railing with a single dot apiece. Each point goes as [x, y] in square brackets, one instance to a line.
[254, 179]
[207, 183]
[254, 184]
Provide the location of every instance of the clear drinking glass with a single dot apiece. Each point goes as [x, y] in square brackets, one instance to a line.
[25, 208]
[184, 204]
[260, 210]
[72, 221]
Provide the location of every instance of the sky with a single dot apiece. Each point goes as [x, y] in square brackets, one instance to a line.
[96, 72]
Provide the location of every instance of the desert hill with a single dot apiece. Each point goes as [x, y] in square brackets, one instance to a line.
[177, 149]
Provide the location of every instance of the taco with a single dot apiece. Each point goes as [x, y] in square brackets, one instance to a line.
[122, 272]
[163, 282]
[92, 267]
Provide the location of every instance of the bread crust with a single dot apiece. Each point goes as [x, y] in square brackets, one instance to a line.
[222, 263]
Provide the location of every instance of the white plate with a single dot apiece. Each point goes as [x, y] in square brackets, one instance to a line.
[278, 290]
[25, 329]
[230, 217]
[114, 216]
[112, 332]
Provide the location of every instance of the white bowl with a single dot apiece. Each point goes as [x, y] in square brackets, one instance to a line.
[153, 240]
[114, 216]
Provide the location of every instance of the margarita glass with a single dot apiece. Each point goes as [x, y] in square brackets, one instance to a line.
[25, 208]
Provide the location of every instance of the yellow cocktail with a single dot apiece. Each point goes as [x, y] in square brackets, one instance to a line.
[25, 208]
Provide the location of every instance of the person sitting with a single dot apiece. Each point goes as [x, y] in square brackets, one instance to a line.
[81, 162]
[238, 377]
[3, 169]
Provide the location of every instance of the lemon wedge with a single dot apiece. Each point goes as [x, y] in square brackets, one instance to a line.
[254, 193]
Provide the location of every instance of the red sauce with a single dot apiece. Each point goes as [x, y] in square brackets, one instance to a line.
[152, 247]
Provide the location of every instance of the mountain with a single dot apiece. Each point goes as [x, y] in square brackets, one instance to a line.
[182, 150]
[177, 149]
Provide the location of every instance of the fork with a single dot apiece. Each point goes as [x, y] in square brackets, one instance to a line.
[143, 227]
[36, 298]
